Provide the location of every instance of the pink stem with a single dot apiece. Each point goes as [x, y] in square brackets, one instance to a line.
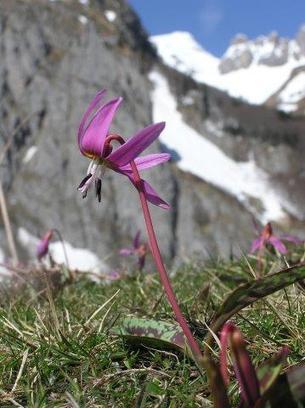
[162, 271]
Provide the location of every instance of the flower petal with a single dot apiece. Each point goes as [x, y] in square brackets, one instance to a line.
[92, 141]
[244, 370]
[291, 238]
[43, 245]
[92, 106]
[136, 240]
[146, 162]
[153, 197]
[126, 251]
[278, 244]
[135, 145]
[257, 244]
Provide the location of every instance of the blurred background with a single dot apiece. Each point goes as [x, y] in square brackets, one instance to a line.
[227, 77]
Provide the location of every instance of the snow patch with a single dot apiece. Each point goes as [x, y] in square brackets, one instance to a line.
[199, 156]
[82, 19]
[78, 258]
[110, 15]
[84, 2]
[30, 153]
[180, 51]
[287, 107]
[293, 92]
[187, 101]
[3, 271]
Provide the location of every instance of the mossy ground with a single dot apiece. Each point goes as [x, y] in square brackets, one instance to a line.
[57, 348]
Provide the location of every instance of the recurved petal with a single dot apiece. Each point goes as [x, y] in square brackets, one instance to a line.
[43, 245]
[146, 162]
[126, 251]
[93, 106]
[92, 141]
[257, 244]
[153, 197]
[136, 240]
[135, 145]
[278, 244]
[291, 238]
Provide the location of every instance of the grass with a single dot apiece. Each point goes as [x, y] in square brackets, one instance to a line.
[57, 348]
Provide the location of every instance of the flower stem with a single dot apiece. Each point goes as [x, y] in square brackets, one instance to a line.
[162, 271]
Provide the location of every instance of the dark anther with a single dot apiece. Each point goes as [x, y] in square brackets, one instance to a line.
[98, 189]
[83, 182]
[85, 194]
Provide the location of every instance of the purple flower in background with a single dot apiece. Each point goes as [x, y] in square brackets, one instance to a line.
[43, 245]
[95, 142]
[139, 249]
[114, 275]
[266, 237]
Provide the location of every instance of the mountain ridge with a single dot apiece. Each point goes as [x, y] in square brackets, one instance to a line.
[252, 70]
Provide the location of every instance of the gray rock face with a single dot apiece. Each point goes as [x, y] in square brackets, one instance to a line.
[270, 50]
[238, 55]
[279, 50]
[51, 66]
[273, 140]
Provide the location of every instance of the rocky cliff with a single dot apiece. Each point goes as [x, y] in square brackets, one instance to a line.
[54, 56]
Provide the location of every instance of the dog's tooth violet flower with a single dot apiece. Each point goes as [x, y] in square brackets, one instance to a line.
[267, 236]
[139, 249]
[43, 245]
[96, 142]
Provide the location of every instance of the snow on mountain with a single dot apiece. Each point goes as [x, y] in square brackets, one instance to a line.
[180, 50]
[204, 159]
[292, 93]
[252, 70]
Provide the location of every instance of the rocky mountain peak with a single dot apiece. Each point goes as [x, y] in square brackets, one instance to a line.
[270, 50]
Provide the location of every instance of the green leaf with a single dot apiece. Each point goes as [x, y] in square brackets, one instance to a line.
[154, 389]
[288, 390]
[153, 333]
[248, 293]
[270, 370]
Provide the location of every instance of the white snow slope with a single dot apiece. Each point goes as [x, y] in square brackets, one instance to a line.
[292, 93]
[202, 158]
[78, 258]
[254, 84]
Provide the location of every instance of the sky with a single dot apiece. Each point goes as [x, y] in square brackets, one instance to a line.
[215, 22]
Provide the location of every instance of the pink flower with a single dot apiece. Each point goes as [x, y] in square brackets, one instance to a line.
[95, 142]
[266, 237]
[243, 368]
[139, 249]
[43, 245]
[251, 388]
